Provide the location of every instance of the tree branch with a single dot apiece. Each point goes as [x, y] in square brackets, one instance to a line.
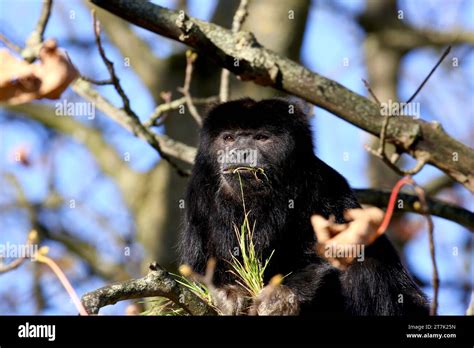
[133, 120]
[45, 115]
[34, 41]
[379, 198]
[157, 282]
[419, 138]
[239, 18]
[438, 184]
[174, 105]
[185, 90]
[406, 38]
[167, 146]
[138, 52]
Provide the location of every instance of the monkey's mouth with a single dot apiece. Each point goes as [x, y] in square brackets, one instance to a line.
[247, 172]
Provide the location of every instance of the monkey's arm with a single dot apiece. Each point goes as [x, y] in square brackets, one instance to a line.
[192, 248]
[380, 284]
[317, 288]
[314, 289]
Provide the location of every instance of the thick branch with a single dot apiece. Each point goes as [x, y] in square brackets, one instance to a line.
[438, 184]
[406, 38]
[411, 203]
[187, 153]
[157, 282]
[138, 51]
[416, 137]
[239, 18]
[33, 44]
[168, 146]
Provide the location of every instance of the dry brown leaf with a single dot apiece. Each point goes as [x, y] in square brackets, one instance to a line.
[21, 82]
[340, 244]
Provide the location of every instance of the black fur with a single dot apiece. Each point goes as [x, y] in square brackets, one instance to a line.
[295, 174]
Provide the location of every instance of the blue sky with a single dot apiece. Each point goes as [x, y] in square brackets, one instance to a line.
[330, 38]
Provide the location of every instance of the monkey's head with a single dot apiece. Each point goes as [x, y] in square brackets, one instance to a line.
[256, 143]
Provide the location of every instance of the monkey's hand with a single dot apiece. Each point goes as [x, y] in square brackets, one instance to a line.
[275, 300]
[230, 300]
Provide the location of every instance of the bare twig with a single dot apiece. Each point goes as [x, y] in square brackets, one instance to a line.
[166, 96]
[133, 119]
[371, 92]
[58, 272]
[97, 82]
[423, 158]
[169, 147]
[44, 18]
[10, 44]
[239, 18]
[440, 60]
[157, 118]
[185, 90]
[267, 68]
[224, 91]
[34, 41]
[110, 66]
[381, 150]
[157, 282]
[380, 198]
[31, 241]
[4, 268]
[424, 208]
[240, 15]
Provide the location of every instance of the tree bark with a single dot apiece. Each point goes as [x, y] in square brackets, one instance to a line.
[423, 140]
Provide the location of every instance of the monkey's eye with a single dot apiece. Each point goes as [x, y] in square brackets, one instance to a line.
[261, 137]
[228, 138]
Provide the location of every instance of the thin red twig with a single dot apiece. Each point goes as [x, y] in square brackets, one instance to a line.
[64, 281]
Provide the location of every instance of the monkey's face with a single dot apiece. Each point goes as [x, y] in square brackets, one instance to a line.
[254, 146]
[251, 158]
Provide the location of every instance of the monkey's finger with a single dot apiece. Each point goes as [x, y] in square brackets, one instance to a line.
[372, 214]
[364, 226]
[321, 228]
[332, 227]
[338, 228]
[355, 214]
[376, 215]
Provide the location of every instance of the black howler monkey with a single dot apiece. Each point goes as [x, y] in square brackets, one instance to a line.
[276, 136]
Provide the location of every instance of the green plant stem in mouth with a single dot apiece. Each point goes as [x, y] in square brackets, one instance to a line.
[256, 171]
[250, 270]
